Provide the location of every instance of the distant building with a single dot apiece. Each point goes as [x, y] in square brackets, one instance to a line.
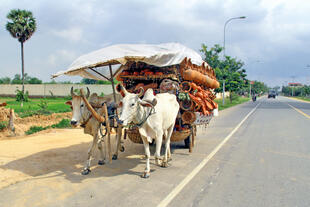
[295, 84]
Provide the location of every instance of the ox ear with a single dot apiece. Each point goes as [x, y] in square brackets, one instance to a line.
[119, 105]
[148, 103]
[69, 103]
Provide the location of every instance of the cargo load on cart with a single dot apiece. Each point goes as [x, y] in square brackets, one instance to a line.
[166, 68]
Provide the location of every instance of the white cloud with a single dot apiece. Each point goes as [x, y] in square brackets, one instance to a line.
[61, 56]
[274, 32]
[74, 34]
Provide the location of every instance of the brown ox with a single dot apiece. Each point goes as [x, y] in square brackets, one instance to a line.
[83, 117]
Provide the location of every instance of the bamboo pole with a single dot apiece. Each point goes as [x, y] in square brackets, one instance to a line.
[107, 122]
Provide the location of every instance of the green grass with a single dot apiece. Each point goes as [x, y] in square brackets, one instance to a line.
[3, 125]
[302, 98]
[54, 105]
[64, 123]
[240, 100]
[35, 129]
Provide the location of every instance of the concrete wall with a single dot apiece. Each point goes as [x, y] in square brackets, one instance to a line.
[42, 90]
[220, 95]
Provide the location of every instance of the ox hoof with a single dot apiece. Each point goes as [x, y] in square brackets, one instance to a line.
[145, 175]
[86, 171]
[114, 157]
[164, 164]
[158, 162]
[101, 162]
[122, 149]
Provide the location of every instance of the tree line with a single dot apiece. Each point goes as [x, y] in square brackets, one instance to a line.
[231, 71]
[33, 80]
[296, 90]
[18, 80]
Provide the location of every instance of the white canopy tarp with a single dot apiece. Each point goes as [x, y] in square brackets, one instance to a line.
[94, 65]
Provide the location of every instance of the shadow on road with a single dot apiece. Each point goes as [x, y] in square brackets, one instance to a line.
[69, 161]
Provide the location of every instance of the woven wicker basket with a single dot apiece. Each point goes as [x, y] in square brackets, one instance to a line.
[134, 136]
[177, 136]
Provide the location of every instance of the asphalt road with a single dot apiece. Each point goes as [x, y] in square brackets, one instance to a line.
[265, 161]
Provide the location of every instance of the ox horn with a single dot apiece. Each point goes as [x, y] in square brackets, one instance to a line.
[72, 93]
[121, 89]
[141, 92]
[88, 93]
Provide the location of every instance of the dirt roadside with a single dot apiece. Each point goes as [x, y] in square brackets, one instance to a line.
[54, 152]
[23, 124]
[39, 154]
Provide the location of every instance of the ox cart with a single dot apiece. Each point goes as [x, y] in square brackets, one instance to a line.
[166, 68]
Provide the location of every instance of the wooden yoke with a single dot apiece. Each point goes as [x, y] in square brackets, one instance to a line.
[101, 119]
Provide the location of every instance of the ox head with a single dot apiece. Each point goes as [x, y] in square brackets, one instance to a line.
[78, 107]
[132, 105]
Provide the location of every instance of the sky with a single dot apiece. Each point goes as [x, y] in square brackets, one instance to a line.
[273, 40]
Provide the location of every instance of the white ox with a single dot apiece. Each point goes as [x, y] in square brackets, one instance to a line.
[82, 116]
[155, 116]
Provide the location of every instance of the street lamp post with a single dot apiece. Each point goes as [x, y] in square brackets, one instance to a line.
[242, 17]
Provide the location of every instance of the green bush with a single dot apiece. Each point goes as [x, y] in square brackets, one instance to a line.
[35, 129]
[20, 96]
[3, 125]
[43, 107]
[234, 96]
[64, 123]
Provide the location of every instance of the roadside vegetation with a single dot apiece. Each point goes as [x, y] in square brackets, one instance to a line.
[303, 98]
[3, 125]
[231, 71]
[297, 91]
[301, 92]
[64, 123]
[229, 104]
[37, 106]
[17, 79]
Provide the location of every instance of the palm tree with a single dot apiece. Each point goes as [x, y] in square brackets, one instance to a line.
[21, 25]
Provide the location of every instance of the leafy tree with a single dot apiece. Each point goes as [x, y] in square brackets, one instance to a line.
[88, 81]
[92, 81]
[259, 87]
[296, 90]
[17, 79]
[5, 80]
[34, 80]
[21, 25]
[286, 90]
[229, 70]
[27, 79]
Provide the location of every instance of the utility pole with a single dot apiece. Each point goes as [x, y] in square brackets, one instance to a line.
[223, 92]
[250, 89]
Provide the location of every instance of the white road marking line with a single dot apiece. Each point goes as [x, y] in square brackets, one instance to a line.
[190, 176]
